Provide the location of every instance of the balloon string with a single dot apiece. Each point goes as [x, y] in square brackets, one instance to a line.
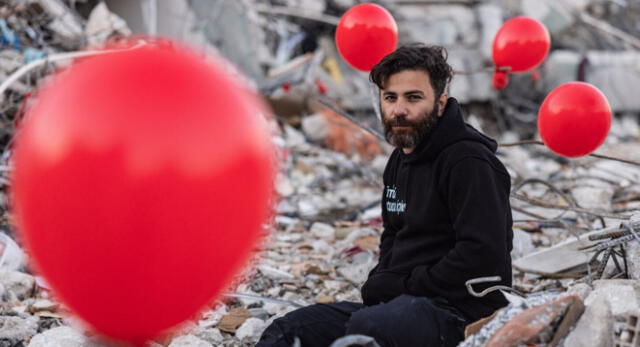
[595, 155]
[483, 69]
[327, 102]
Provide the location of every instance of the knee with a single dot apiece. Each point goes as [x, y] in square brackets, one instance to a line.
[362, 323]
[279, 333]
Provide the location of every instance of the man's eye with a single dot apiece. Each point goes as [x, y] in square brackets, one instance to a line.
[414, 97]
[389, 98]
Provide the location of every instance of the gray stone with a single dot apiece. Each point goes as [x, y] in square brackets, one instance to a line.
[555, 18]
[102, 24]
[259, 313]
[16, 329]
[490, 20]
[522, 244]
[18, 283]
[60, 337]
[67, 24]
[274, 273]
[315, 127]
[211, 335]
[469, 87]
[226, 23]
[323, 231]
[581, 289]
[284, 187]
[595, 327]
[355, 274]
[251, 330]
[593, 197]
[11, 257]
[614, 73]
[189, 341]
[560, 67]
[621, 296]
[633, 259]
[441, 25]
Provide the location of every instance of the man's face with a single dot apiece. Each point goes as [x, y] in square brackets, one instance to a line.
[409, 108]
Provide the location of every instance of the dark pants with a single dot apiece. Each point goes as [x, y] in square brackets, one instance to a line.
[405, 321]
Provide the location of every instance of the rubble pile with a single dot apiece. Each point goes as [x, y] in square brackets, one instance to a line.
[576, 256]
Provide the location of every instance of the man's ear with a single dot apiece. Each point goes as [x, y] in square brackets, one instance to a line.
[442, 102]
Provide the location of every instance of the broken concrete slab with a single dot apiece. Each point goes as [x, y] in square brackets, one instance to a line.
[537, 324]
[614, 73]
[558, 258]
[595, 327]
[621, 295]
[63, 336]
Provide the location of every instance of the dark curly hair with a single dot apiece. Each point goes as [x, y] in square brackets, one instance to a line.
[416, 56]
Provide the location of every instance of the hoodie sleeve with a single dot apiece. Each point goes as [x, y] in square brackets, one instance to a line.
[478, 201]
[386, 242]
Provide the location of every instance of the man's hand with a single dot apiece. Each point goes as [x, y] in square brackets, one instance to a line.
[383, 286]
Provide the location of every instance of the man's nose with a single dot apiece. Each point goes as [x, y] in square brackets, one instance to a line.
[399, 108]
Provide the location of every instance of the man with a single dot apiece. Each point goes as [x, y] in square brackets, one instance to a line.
[446, 218]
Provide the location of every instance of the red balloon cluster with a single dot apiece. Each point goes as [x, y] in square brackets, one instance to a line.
[365, 34]
[521, 44]
[574, 119]
[141, 182]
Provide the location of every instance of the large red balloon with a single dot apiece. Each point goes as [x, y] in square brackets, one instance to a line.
[522, 43]
[141, 182]
[574, 119]
[365, 34]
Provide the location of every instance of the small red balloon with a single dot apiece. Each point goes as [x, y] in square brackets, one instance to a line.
[141, 182]
[574, 119]
[522, 43]
[322, 88]
[535, 75]
[500, 80]
[365, 34]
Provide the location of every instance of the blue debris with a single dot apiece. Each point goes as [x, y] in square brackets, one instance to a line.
[8, 37]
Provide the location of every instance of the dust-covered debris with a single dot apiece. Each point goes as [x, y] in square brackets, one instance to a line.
[572, 218]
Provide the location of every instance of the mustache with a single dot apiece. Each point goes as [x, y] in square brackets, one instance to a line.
[399, 121]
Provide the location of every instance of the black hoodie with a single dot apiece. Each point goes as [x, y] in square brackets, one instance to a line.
[447, 219]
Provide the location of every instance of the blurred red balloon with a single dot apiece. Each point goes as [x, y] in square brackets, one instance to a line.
[365, 34]
[322, 88]
[141, 182]
[522, 43]
[500, 80]
[535, 76]
[574, 119]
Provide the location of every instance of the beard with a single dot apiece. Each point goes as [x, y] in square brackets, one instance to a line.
[415, 130]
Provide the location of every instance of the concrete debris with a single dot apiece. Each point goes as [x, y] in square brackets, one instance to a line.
[103, 25]
[573, 225]
[63, 336]
[17, 284]
[11, 256]
[189, 341]
[15, 331]
[210, 335]
[537, 324]
[522, 244]
[250, 330]
[595, 328]
[609, 71]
